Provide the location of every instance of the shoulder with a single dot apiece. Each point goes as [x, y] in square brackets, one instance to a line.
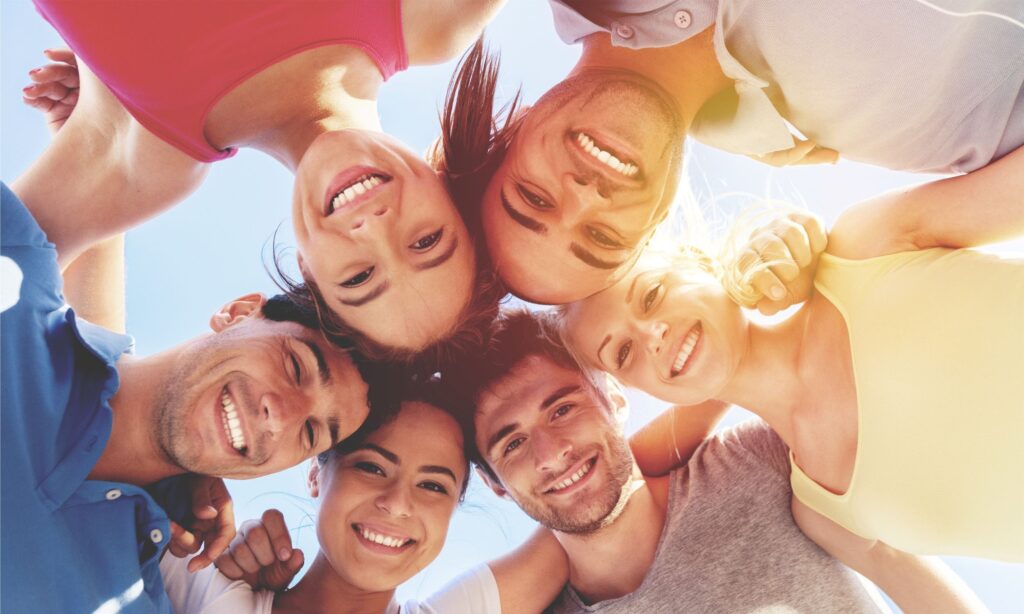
[473, 592]
[209, 590]
[436, 31]
[749, 445]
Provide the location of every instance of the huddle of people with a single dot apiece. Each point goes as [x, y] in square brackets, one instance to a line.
[889, 399]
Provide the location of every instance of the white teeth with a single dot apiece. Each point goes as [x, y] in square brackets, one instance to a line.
[232, 425]
[384, 540]
[626, 168]
[576, 477]
[360, 186]
[684, 352]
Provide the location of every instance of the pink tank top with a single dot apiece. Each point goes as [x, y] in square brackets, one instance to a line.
[170, 61]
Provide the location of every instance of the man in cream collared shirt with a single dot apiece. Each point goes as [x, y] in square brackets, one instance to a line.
[901, 84]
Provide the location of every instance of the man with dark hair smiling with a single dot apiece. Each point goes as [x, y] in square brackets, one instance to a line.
[89, 429]
[716, 534]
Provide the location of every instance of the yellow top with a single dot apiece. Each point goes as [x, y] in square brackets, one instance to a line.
[937, 342]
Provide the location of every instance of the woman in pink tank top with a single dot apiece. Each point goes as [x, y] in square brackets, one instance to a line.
[379, 229]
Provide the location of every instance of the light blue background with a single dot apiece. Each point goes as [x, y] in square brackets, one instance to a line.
[189, 261]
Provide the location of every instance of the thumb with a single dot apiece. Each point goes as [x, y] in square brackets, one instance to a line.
[279, 574]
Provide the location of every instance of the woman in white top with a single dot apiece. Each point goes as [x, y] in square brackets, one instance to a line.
[385, 497]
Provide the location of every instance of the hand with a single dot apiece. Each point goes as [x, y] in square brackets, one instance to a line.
[262, 554]
[791, 242]
[213, 528]
[55, 88]
[803, 152]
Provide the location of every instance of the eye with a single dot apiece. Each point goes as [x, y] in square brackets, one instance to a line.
[533, 199]
[651, 296]
[562, 410]
[623, 354]
[310, 433]
[513, 445]
[433, 486]
[367, 467]
[424, 243]
[603, 239]
[297, 368]
[358, 279]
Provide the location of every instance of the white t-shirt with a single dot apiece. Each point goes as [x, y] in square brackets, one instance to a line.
[210, 592]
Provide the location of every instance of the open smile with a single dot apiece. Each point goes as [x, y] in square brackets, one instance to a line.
[232, 422]
[381, 540]
[611, 161]
[685, 350]
[352, 187]
[574, 478]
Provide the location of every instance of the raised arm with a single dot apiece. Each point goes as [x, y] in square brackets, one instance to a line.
[668, 441]
[986, 206]
[916, 583]
[531, 576]
[102, 174]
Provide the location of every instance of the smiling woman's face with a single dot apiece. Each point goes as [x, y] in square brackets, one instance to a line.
[591, 171]
[381, 238]
[386, 505]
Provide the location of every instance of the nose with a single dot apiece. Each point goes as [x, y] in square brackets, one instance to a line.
[657, 331]
[377, 220]
[280, 413]
[550, 452]
[583, 193]
[394, 501]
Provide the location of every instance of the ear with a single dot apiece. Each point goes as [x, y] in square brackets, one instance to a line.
[617, 396]
[494, 486]
[237, 311]
[313, 478]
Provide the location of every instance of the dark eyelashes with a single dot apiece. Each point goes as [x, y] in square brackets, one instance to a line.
[358, 279]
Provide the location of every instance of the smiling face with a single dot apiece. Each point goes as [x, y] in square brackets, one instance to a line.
[591, 171]
[381, 238]
[255, 398]
[555, 445]
[673, 334]
[386, 505]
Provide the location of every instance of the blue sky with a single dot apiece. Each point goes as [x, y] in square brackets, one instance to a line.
[183, 265]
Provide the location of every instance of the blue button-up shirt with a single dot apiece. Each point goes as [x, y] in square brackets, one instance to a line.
[898, 84]
[68, 544]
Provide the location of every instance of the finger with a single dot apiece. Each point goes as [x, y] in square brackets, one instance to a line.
[278, 576]
[186, 540]
[229, 567]
[775, 253]
[798, 244]
[259, 543]
[42, 104]
[59, 73]
[215, 545]
[768, 285]
[814, 227]
[819, 155]
[277, 531]
[769, 307]
[52, 90]
[245, 558]
[61, 55]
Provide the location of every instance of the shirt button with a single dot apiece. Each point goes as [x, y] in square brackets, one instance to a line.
[112, 494]
[156, 535]
[624, 31]
[683, 19]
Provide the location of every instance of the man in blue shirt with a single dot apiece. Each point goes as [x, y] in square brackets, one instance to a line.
[86, 426]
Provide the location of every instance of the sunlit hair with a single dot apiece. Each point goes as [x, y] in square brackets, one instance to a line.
[517, 334]
[410, 389]
[462, 150]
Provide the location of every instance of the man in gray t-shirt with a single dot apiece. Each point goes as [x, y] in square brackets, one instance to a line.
[715, 535]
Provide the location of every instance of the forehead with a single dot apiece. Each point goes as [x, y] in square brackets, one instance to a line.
[422, 434]
[525, 385]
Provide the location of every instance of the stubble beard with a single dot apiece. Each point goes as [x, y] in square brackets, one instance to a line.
[602, 509]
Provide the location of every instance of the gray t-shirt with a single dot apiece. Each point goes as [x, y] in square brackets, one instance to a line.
[730, 544]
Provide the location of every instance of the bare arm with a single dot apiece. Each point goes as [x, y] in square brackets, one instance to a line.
[102, 174]
[439, 30]
[915, 583]
[531, 576]
[94, 284]
[669, 440]
[986, 206]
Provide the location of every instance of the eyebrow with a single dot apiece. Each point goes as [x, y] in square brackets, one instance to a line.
[501, 434]
[591, 259]
[525, 221]
[369, 297]
[546, 403]
[440, 259]
[607, 338]
[393, 458]
[629, 293]
[321, 361]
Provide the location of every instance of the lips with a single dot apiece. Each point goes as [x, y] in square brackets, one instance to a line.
[352, 187]
[232, 423]
[612, 161]
[385, 540]
[573, 478]
[685, 350]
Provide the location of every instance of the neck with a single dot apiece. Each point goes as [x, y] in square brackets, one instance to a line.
[768, 379]
[688, 71]
[614, 560]
[132, 454]
[287, 143]
[323, 590]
